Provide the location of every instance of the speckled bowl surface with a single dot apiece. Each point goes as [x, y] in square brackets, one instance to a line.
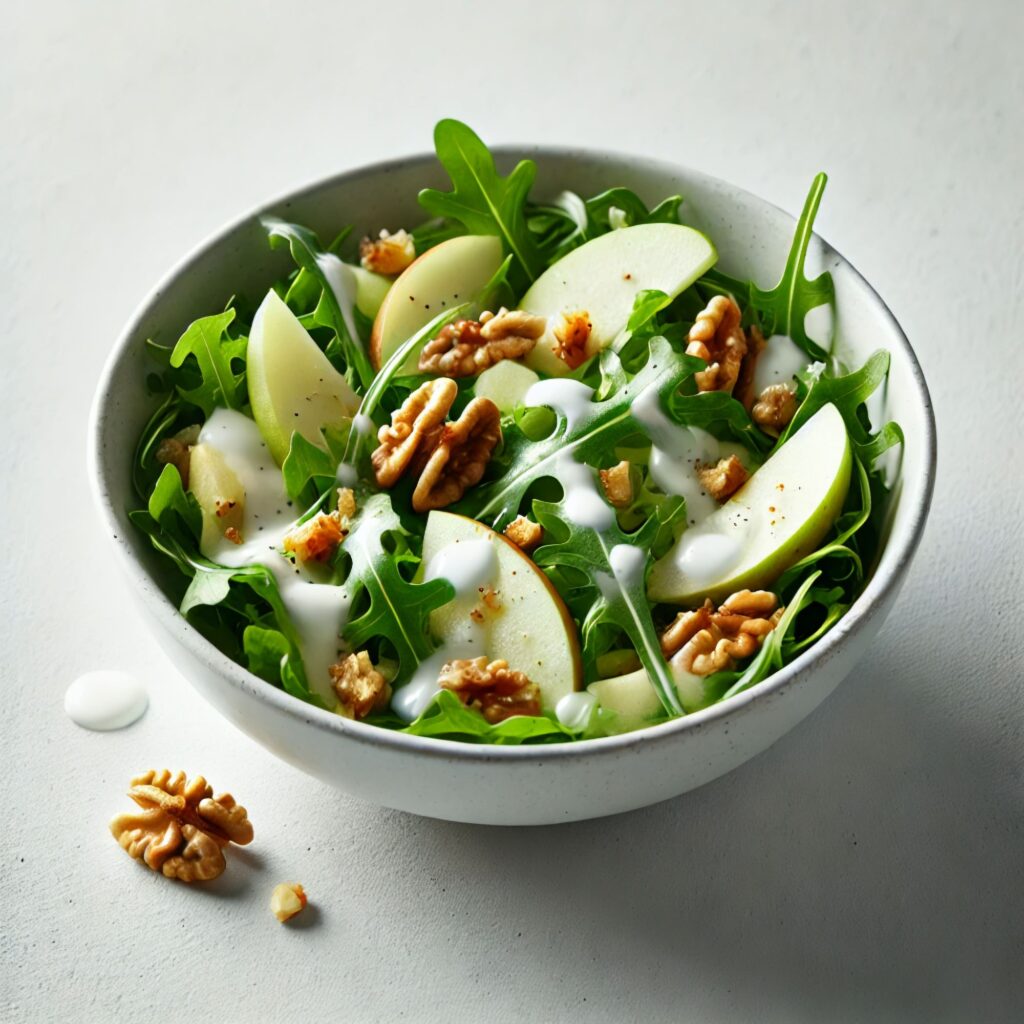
[510, 785]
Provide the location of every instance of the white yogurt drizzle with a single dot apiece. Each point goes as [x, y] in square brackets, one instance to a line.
[318, 610]
[584, 506]
[467, 565]
[574, 710]
[705, 557]
[778, 363]
[105, 700]
[568, 397]
[343, 286]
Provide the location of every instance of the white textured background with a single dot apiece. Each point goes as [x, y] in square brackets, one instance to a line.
[869, 868]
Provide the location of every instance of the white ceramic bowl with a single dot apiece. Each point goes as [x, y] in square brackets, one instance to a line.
[509, 785]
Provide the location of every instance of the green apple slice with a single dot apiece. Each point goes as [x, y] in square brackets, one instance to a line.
[633, 697]
[455, 271]
[530, 628]
[371, 291]
[292, 384]
[780, 515]
[219, 493]
[505, 384]
[603, 278]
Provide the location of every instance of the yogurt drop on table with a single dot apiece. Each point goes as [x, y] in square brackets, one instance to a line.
[105, 700]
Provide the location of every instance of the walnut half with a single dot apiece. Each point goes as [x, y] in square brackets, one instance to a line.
[706, 641]
[360, 688]
[468, 347]
[724, 478]
[181, 829]
[415, 429]
[717, 338]
[774, 408]
[491, 688]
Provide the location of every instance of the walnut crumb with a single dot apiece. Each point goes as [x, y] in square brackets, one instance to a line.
[524, 533]
[182, 828]
[233, 534]
[287, 900]
[317, 539]
[468, 347]
[617, 484]
[359, 687]
[491, 688]
[704, 641]
[387, 254]
[724, 478]
[717, 338]
[572, 332]
[775, 408]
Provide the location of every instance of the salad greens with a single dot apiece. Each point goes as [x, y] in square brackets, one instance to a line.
[274, 595]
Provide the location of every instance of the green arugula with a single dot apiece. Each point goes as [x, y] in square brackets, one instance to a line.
[396, 610]
[204, 342]
[447, 717]
[335, 306]
[616, 598]
[595, 432]
[481, 200]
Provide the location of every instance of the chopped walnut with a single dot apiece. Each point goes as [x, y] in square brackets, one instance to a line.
[705, 641]
[461, 456]
[724, 478]
[524, 533]
[468, 347]
[346, 505]
[287, 900]
[415, 427]
[572, 332]
[617, 484]
[181, 829]
[360, 688]
[387, 254]
[744, 389]
[717, 338]
[774, 408]
[175, 451]
[316, 539]
[491, 688]
[233, 534]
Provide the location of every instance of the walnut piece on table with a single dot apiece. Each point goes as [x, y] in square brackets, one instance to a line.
[775, 408]
[491, 688]
[359, 687]
[415, 428]
[468, 347]
[724, 478]
[287, 900]
[706, 641]
[387, 254]
[182, 828]
[717, 338]
[524, 533]
[617, 484]
[460, 457]
[572, 332]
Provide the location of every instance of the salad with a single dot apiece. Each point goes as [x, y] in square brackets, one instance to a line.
[530, 471]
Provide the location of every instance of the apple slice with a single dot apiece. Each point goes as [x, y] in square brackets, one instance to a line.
[371, 290]
[603, 277]
[505, 384]
[529, 627]
[292, 384]
[780, 515]
[219, 493]
[456, 270]
[633, 698]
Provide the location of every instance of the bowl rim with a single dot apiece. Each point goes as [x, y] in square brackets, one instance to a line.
[889, 571]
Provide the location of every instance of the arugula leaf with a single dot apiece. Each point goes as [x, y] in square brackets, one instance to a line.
[481, 199]
[720, 414]
[615, 565]
[594, 432]
[309, 466]
[447, 717]
[204, 341]
[784, 308]
[396, 609]
[337, 292]
[849, 393]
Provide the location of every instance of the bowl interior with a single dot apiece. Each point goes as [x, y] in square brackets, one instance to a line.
[752, 237]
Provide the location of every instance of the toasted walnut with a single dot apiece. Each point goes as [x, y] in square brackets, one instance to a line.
[524, 533]
[233, 534]
[176, 450]
[316, 539]
[461, 456]
[617, 484]
[705, 641]
[724, 478]
[775, 408]
[387, 254]
[468, 347]
[572, 332]
[287, 900]
[346, 505]
[415, 427]
[360, 688]
[717, 338]
[491, 688]
[181, 828]
[744, 388]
